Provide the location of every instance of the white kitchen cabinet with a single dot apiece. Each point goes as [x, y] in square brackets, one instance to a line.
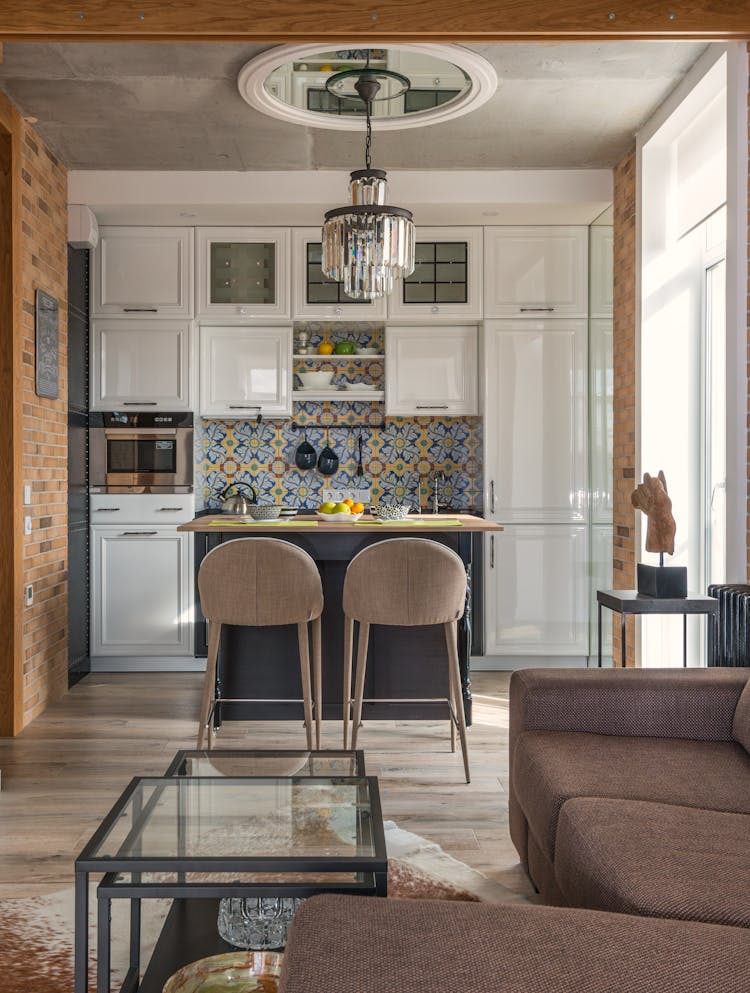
[537, 591]
[314, 296]
[245, 371]
[142, 271]
[601, 419]
[447, 280]
[602, 266]
[431, 371]
[601, 579]
[535, 426]
[536, 271]
[142, 365]
[141, 590]
[243, 273]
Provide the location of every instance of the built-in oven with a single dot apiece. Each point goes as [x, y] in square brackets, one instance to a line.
[141, 452]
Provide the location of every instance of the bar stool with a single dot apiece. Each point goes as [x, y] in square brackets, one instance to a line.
[404, 582]
[260, 582]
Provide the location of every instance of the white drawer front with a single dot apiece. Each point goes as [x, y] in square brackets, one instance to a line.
[142, 508]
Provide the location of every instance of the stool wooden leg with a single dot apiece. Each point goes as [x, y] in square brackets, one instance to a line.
[453, 723]
[304, 667]
[348, 649]
[318, 677]
[209, 682]
[359, 683]
[451, 639]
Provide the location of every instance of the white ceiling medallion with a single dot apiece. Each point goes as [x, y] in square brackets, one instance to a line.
[277, 83]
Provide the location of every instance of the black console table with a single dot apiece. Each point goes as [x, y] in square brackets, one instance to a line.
[624, 602]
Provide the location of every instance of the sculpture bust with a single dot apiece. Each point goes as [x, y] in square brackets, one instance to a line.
[652, 498]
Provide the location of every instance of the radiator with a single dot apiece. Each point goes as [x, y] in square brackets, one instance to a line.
[729, 640]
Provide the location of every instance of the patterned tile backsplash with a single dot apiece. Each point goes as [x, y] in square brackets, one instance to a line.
[398, 458]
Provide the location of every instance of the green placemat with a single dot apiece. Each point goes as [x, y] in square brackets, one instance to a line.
[416, 522]
[263, 524]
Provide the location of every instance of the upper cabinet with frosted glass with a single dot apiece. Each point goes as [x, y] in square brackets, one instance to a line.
[602, 263]
[314, 296]
[447, 278]
[533, 272]
[142, 272]
[243, 273]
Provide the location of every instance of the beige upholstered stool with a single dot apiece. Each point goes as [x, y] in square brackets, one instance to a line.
[404, 582]
[260, 582]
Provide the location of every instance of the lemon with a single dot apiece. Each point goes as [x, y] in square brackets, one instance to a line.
[342, 508]
[327, 508]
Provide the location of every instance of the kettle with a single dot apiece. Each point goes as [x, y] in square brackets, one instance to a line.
[239, 503]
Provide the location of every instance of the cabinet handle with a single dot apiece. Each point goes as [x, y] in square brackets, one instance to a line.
[139, 403]
[432, 406]
[106, 510]
[492, 551]
[244, 406]
[141, 310]
[492, 496]
[131, 534]
[164, 510]
[537, 310]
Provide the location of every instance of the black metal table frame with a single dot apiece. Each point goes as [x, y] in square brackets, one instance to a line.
[177, 766]
[371, 872]
[645, 605]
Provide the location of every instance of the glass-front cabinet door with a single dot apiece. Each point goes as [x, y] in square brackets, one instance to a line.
[447, 277]
[243, 272]
[316, 297]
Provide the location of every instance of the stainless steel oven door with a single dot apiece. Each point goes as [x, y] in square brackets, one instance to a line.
[140, 458]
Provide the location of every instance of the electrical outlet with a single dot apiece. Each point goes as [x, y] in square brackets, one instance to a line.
[27, 495]
[29, 595]
[27, 525]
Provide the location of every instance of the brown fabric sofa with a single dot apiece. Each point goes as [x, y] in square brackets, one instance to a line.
[630, 789]
[349, 944]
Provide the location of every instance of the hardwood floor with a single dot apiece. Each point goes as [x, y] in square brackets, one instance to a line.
[61, 775]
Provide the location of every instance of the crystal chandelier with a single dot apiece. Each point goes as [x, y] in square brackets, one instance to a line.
[367, 244]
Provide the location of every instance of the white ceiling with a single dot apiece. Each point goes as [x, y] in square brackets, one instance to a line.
[176, 107]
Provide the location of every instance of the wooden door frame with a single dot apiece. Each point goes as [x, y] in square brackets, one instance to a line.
[11, 413]
[342, 21]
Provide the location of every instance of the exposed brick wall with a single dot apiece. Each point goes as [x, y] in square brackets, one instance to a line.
[624, 403]
[44, 266]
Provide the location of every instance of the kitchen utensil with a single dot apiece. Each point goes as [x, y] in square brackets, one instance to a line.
[325, 347]
[344, 348]
[238, 504]
[287, 512]
[268, 512]
[328, 460]
[315, 380]
[305, 457]
[391, 511]
[360, 469]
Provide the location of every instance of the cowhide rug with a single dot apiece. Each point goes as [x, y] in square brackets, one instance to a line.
[36, 933]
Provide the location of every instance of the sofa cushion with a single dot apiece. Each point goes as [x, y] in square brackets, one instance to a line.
[551, 767]
[654, 859]
[345, 944]
[741, 723]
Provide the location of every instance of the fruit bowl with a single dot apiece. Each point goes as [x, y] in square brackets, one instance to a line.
[337, 518]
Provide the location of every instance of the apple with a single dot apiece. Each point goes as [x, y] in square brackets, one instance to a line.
[342, 508]
[327, 508]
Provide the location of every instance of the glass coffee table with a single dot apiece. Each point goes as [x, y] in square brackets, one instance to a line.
[199, 838]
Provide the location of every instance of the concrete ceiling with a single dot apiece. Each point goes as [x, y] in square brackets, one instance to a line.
[176, 106]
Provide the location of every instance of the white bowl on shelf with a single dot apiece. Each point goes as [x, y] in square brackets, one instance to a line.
[338, 518]
[367, 351]
[360, 387]
[315, 380]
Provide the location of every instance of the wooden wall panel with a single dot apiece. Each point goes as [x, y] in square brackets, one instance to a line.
[378, 20]
[11, 549]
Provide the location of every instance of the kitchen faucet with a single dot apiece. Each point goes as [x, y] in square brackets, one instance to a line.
[438, 481]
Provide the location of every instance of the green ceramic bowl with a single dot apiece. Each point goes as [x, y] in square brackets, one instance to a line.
[233, 972]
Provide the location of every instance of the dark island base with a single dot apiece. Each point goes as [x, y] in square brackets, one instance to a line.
[402, 662]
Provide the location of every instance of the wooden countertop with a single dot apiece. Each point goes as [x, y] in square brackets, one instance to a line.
[418, 524]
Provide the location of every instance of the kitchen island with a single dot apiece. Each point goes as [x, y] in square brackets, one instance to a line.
[403, 663]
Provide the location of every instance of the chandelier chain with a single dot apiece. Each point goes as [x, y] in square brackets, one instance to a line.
[368, 138]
